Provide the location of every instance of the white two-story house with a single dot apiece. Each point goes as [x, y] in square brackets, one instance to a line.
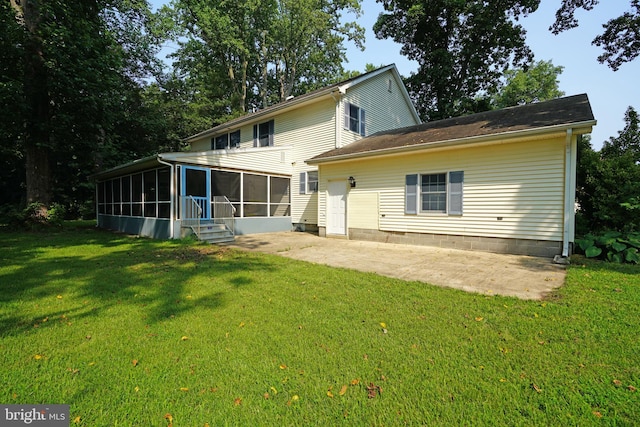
[250, 174]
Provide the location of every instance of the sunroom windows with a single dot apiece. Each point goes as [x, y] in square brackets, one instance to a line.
[148, 193]
[141, 194]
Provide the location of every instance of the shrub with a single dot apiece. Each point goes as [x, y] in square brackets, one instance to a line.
[37, 215]
[611, 246]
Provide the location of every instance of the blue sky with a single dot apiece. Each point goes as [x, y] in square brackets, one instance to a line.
[610, 93]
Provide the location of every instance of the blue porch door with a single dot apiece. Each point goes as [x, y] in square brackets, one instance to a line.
[196, 183]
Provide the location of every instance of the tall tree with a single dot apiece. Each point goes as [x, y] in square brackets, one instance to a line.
[620, 39]
[462, 48]
[77, 99]
[533, 84]
[245, 54]
[36, 137]
[627, 143]
[608, 182]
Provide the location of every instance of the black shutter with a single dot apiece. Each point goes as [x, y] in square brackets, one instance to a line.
[411, 194]
[303, 182]
[255, 135]
[456, 184]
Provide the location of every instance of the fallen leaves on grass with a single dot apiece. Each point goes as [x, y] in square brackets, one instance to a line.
[169, 419]
[373, 390]
[134, 362]
[343, 390]
[184, 338]
[237, 401]
[536, 388]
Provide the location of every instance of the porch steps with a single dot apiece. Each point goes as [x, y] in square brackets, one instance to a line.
[215, 233]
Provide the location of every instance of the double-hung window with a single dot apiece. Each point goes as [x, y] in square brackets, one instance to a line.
[226, 140]
[263, 134]
[308, 182]
[354, 118]
[434, 193]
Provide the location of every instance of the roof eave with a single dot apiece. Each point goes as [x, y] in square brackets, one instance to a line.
[262, 114]
[582, 127]
[135, 165]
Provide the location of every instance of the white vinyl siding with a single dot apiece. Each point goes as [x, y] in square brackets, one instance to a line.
[312, 129]
[513, 190]
[309, 131]
[276, 160]
[363, 210]
[384, 109]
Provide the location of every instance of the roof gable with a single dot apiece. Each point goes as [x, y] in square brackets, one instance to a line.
[310, 97]
[548, 114]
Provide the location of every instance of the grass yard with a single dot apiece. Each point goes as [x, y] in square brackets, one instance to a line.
[137, 332]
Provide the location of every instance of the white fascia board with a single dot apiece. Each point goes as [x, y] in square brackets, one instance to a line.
[578, 128]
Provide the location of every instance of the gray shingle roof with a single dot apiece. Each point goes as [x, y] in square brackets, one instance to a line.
[557, 112]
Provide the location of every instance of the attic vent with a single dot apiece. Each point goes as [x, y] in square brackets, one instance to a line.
[289, 97]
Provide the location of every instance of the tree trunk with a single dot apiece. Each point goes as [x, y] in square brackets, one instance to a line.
[36, 137]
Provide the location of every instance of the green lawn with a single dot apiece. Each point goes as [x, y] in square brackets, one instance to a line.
[131, 331]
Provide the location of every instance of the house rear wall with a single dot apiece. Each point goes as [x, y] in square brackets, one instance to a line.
[511, 191]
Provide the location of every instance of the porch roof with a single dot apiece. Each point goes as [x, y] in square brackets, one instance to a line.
[267, 160]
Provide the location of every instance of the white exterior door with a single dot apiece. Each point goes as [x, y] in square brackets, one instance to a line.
[337, 208]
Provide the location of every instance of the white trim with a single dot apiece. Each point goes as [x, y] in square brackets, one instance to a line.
[172, 195]
[569, 196]
[494, 138]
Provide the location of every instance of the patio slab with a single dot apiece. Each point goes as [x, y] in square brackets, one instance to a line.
[524, 277]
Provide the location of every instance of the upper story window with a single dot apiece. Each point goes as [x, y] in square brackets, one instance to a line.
[226, 140]
[354, 118]
[263, 134]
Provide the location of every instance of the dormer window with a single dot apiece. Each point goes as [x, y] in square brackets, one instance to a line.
[354, 118]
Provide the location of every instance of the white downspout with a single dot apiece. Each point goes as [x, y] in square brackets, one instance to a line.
[172, 196]
[569, 192]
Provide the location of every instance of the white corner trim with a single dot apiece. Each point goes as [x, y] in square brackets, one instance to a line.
[569, 195]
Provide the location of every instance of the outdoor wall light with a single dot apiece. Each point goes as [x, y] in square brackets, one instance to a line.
[352, 182]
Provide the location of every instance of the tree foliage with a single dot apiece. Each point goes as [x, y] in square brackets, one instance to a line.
[608, 182]
[462, 47]
[75, 84]
[533, 84]
[246, 54]
[620, 39]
